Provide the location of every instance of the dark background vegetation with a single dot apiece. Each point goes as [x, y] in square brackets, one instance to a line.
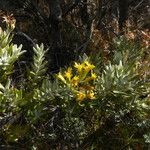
[68, 29]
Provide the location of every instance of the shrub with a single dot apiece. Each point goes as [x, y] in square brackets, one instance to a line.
[83, 107]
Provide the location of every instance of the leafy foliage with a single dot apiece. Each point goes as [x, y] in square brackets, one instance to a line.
[106, 107]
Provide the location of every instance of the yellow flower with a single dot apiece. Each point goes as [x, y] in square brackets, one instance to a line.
[93, 76]
[60, 77]
[81, 96]
[90, 95]
[88, 66]
[75, 81]
[68, 73]
[78, 66]
[87, 69]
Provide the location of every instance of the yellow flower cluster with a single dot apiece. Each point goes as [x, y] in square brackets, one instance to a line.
[80, 79]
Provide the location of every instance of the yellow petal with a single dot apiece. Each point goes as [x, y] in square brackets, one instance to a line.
[88, 66]
[75, 81]
[91, 95]
[93, 76]
[78, 66]
[81, 96]
[68, 73]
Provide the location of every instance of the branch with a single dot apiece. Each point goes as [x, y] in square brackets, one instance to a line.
[73, 6]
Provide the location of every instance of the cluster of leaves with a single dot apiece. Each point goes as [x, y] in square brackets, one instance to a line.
[40, 112]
